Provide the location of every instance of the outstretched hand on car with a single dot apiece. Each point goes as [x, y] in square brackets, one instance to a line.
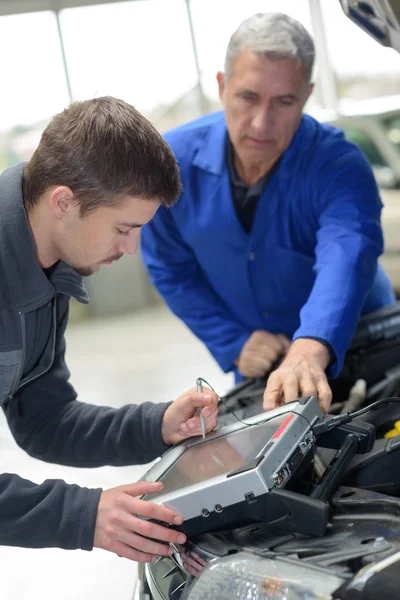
[301, 373]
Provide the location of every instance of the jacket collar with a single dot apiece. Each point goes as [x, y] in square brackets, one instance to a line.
[23, 282]
[211, 155]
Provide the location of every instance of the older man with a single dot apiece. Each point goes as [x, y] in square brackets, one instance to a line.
[272, 248]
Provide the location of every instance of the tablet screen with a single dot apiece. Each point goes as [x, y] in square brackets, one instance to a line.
[218, 456]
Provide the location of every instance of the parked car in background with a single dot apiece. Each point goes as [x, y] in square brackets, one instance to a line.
[374, 125]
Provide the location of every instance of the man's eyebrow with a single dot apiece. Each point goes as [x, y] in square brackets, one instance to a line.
[257, 94]
[248, 91]
[290, 96]
[131, 225]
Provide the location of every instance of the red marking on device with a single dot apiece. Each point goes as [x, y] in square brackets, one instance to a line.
[282, 428]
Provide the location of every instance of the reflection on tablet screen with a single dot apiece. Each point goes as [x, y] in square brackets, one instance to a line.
[219, 456]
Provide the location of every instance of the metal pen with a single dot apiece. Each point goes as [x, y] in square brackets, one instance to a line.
[199, 386]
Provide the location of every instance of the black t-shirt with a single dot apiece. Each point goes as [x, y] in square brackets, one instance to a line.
[245, 198]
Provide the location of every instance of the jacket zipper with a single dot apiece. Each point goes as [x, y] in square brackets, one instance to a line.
[18, 386]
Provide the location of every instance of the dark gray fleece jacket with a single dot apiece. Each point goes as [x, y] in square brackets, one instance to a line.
[40, 404]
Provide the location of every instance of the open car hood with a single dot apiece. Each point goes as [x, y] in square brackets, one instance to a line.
[379, 18]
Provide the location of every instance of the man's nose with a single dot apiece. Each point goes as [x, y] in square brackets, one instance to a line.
[263, 119]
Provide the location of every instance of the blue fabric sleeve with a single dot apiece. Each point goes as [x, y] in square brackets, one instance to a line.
[349, 242]
[180, 280]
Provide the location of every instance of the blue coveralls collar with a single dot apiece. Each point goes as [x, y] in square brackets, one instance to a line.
[29, 287]
[211, 155]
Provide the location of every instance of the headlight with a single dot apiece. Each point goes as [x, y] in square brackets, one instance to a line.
[248, 577]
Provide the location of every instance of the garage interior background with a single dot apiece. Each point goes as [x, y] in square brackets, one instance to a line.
[157, 55]
[162, 56]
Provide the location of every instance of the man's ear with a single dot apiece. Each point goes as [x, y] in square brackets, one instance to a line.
[62, 201]
[221, 85]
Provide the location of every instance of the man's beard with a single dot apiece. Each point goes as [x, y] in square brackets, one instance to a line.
[87, 271]
[84, 271]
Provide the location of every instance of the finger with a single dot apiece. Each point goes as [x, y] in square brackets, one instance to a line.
[272, 392]
[193, 426]
[124, 551]
[193, 570]
[272, 354]
[308, 387]
[262, 358]
[192, 565]
[198, 399]
[196, 557]
[211, 422]
[251, 371]
[210, 411]
[255, 366]
[151, 510]
[190, 570]
[209, 414]
[143, 544]
[269, 340]
[324, 395]
[155, 531]
[139, 488]
[290, 389]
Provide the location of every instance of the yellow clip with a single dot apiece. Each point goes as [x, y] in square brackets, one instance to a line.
[393, 432]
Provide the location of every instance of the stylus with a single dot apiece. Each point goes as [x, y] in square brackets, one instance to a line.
[202, 425]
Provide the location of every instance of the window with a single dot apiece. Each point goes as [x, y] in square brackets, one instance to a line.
[367, 145]
[363, 67]
[392, 126]
[383, 173]
[33, 82]
[139, 51]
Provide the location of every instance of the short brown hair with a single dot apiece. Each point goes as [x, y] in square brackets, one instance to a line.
[102, 149]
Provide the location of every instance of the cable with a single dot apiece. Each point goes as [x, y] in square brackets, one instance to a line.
[258, 422]
[346, 417]
[314, 446]
[375, 405]
[224, 403]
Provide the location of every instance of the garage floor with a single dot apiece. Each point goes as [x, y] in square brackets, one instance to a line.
[145, 356]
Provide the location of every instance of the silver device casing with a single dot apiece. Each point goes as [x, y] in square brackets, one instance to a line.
[274, 462]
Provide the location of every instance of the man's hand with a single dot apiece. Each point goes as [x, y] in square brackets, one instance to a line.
[302, 373]
[181, 420]
[260, 352]
[120, 530]
[193, 563]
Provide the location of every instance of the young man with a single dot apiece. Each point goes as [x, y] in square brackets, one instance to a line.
[272, 248]
[98, 175]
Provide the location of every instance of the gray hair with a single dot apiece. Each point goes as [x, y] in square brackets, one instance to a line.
[274, 35]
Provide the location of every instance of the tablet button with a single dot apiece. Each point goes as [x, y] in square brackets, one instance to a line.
[250, 497]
